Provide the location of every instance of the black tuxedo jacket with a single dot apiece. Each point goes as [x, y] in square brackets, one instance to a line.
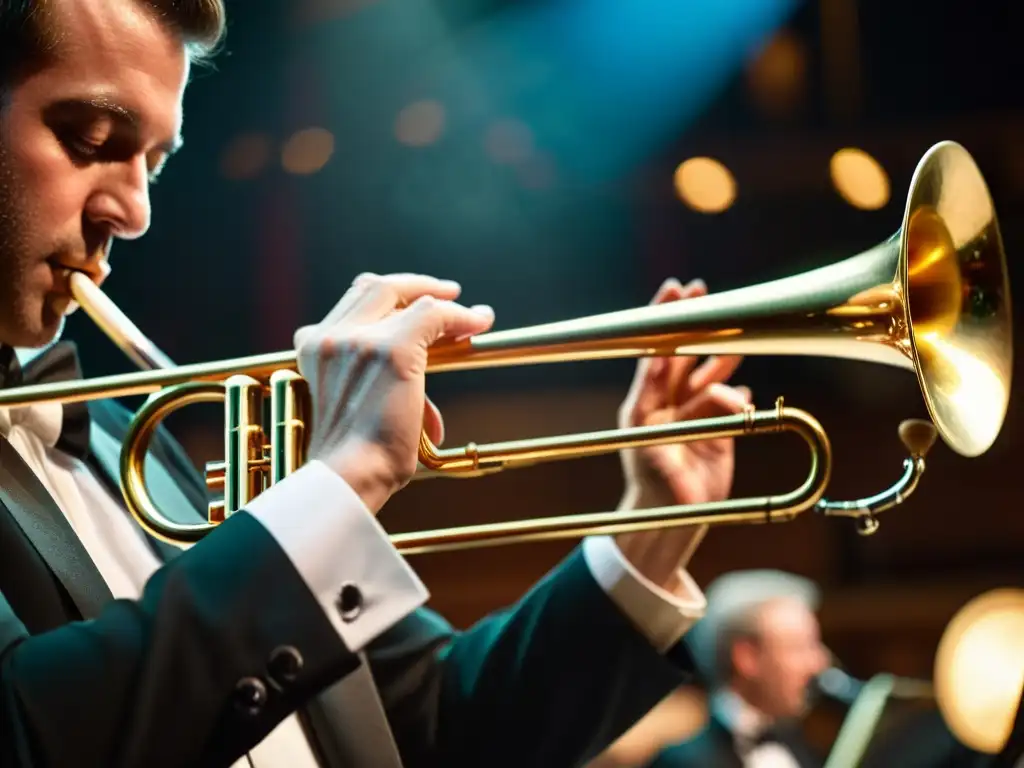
[714, 747]
[226, 641]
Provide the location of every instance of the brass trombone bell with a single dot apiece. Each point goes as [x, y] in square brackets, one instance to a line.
[933, 299]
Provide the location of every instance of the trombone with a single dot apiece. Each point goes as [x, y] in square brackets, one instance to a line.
[932, 299]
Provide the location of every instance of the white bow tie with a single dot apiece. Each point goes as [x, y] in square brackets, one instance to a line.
[41, 419]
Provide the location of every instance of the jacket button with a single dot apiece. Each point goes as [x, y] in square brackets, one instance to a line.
[250, 695]
[350, 601]
[284, 664]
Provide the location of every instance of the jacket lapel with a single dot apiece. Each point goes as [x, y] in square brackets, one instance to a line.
[44, 525]
[349, 724]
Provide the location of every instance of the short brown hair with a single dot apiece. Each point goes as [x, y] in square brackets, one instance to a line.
[26, 35]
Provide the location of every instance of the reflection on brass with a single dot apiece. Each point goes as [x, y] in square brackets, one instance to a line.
[933, 299]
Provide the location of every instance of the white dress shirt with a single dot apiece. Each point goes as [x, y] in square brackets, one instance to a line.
[746, 723]
[335, 540]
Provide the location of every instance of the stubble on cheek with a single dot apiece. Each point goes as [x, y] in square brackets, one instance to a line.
[24, 319]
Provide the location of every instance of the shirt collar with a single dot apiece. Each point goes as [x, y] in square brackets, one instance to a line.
[45, 420]
[742, 719]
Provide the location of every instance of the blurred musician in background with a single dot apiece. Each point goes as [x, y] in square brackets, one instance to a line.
[759, 648]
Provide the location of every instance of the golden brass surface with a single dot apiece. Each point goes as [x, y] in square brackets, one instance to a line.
[933, 299]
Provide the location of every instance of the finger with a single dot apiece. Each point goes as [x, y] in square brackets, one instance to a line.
[679, 366]
[673, 290]
[714, 369]
[433, 424]
[656, 367]
[428, 320]
[373, 297]
[694, 288]
[716, 400]
[356, 293]
[670, 290]
[404, 289]
[646, 392]
[677, 388]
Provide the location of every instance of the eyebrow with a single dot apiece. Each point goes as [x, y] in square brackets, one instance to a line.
[122, 114]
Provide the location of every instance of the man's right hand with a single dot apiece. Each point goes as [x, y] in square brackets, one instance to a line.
[366, 367]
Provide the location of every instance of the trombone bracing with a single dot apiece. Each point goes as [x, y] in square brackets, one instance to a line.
[933, 299]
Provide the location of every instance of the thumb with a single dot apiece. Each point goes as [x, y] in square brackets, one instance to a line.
[433, 320]
[433, 424]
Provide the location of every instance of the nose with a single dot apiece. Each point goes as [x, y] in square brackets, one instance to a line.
[120, 203]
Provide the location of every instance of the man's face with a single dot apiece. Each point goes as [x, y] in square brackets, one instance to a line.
[80, 142]
[786, 656]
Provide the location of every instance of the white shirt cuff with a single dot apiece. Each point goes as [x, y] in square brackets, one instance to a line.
[336, 545]
[664, 617]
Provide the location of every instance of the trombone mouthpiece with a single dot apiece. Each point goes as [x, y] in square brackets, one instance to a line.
[918, 436]
[116, 325]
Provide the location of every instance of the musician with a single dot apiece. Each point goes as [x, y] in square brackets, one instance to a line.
[294, 634]
[759, 647]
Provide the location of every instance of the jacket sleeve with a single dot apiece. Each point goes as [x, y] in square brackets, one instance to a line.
[225, 642]
[552, 680]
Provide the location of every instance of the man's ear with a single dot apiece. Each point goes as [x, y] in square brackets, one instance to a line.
[745, 657]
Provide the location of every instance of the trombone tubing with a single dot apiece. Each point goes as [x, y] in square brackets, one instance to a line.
[756, 509]
[477, 460]
[147, 382]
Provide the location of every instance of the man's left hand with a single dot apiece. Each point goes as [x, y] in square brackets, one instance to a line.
[667, 390]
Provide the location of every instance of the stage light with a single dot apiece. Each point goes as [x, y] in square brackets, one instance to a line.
[705, 185]
[859, 179]
[307, 151]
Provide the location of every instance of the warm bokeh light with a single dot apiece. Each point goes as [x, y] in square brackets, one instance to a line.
[307, 151]
[979, 669]
[777, 76]
[859, 179]
[420, 124]
[705, 185]
[245, 156]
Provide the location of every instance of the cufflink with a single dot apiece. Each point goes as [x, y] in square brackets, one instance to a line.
[250, 695]
[284, 664]
[350, 602]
